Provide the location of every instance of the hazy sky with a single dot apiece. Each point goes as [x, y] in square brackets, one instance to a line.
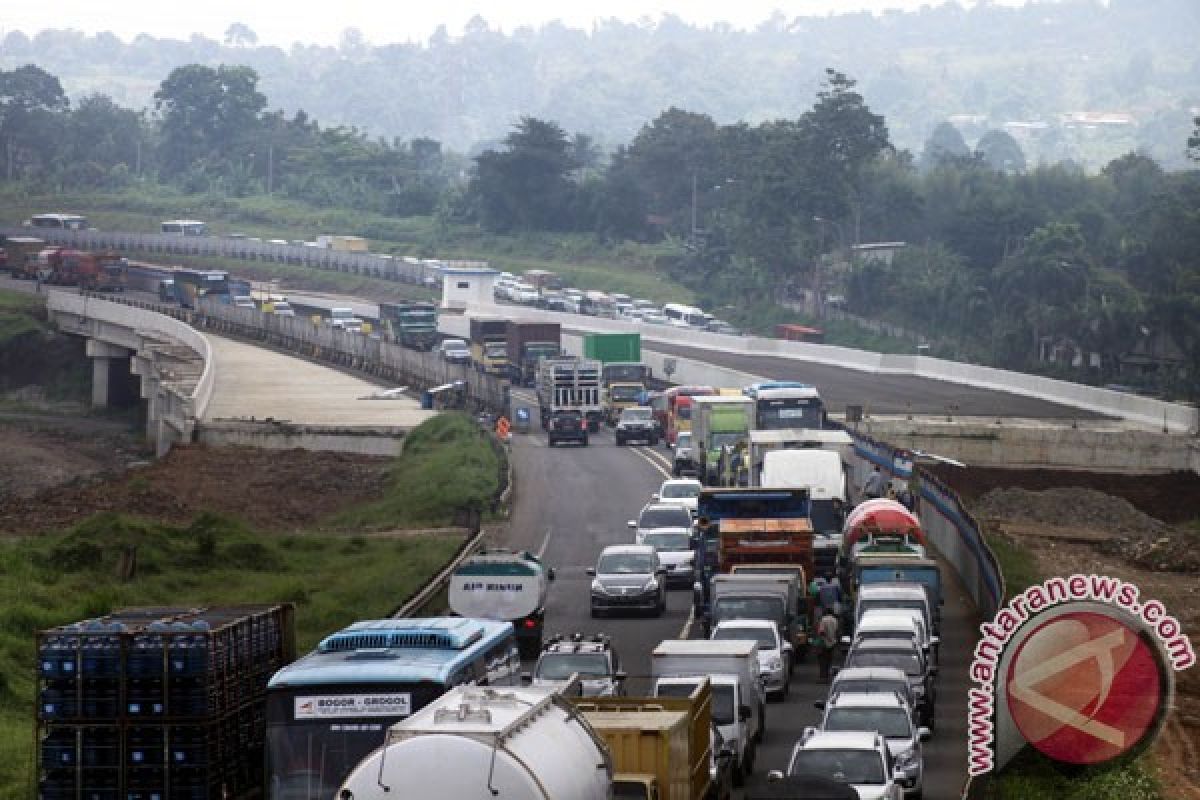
[282, 22]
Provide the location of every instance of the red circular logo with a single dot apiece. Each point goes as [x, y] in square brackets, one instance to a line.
[1085, 688]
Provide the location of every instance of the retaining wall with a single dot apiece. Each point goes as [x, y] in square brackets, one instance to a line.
[285, 436]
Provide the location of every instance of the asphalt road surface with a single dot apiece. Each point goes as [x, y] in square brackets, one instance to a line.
[570, 502]
[882, 394]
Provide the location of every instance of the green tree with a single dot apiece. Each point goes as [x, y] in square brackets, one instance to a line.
[102, 143]
[944, 144]
[209, 117]
[526, 185]
[30, 98]
[1001, 152]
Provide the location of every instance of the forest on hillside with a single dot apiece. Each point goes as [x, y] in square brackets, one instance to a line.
[1046, 268]
[1078, 80]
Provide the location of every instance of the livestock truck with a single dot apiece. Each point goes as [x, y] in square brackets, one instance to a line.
[661, 747]
[527, 344]
[506, 586]
[570, 384]
[412, 325]
[489, 345]
[720, 428]
[479, 743]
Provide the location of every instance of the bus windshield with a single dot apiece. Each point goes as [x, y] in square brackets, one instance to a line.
[784, 413]
[317, 735]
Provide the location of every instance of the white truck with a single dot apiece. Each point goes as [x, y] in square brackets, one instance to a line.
[345, 320]
[478, 743]
[678, 666]
[504, 585]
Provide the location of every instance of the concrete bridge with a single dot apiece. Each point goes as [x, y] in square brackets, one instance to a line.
[202, 387]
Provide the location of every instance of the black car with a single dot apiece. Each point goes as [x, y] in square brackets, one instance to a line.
[566, 426]
[637, 425]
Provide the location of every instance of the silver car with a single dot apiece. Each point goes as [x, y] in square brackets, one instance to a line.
[891, 717]
[629, 577]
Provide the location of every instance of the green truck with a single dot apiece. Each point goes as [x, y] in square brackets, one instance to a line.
[610, 347]
[412, 325]
[720, 432]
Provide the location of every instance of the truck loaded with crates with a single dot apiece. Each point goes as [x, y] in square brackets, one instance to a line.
[158, 702]
[570, 384]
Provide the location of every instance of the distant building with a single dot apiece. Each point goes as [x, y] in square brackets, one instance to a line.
[879, 252]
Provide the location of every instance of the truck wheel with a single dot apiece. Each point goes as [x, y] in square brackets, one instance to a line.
[739, 775]
[585, 441]
[751, 757]
[620, 441]
[762, 727]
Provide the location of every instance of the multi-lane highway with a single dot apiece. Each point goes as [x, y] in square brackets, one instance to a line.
[570, 502]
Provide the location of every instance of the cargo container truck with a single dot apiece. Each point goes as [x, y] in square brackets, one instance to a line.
[610, 347]
[489, 348]
[20, 251]
[412, 325]
[661, 747]
[478, 743]
[527, 343]
[679, 666]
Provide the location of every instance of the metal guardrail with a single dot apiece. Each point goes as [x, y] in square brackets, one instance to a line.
[405, 270]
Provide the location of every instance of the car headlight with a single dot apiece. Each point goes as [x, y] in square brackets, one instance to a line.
[908, 760]
[651, 586]
[598, 587]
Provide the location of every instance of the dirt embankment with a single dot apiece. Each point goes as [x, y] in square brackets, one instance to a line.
[54, 479]
[1141, 529]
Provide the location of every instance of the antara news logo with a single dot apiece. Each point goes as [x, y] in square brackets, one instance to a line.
[1082, 668]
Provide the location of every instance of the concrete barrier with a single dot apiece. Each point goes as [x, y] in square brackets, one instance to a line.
[1172, 417]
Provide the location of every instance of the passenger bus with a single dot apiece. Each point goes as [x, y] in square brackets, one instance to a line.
[188, 285]
[784, 404]
[686, 315]
[328, 710]
[678, 408]
[186, 227]
[69, 222]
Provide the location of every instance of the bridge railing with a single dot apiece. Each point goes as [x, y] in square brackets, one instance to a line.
[949, 525]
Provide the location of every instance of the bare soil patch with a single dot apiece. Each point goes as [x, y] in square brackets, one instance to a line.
[54, 479]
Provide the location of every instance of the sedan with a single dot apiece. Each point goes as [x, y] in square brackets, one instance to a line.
[628, 577]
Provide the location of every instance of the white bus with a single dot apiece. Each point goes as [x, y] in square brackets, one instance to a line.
[682, 315]
[70, 222]
[186, 227]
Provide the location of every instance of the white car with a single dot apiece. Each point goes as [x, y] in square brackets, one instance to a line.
[655, 318]
[676, 554]
[661, 517]
[900, 623]
[680, 492]
[524, 294]
[858, 758]
[890, 716]
[774, 654]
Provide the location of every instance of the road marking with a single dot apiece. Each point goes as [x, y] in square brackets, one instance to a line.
[545, 543]
[686, 633]
[662, 470]
[657, 456]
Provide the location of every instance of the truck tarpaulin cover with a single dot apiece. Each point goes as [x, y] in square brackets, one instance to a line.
[884, 516]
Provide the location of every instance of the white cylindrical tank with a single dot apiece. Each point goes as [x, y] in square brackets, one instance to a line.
[474, 743]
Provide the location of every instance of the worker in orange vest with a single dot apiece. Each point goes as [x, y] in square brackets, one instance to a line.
[502, 428]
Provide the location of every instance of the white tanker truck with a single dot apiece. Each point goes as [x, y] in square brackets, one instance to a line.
[476, 743]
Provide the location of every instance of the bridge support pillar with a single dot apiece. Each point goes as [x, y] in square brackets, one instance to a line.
[103, 355]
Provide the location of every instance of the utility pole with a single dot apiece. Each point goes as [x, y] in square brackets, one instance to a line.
[694, 179]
